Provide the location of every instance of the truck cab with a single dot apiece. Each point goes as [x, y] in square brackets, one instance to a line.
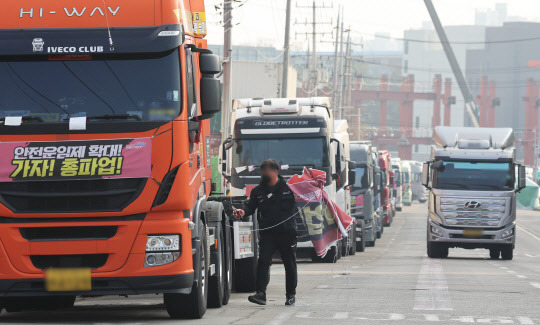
[406, 179]
[377, 192]
[471, 179]
[297, 133]
[362, 192]
[386, 195]
[105, 176]
[398, 191]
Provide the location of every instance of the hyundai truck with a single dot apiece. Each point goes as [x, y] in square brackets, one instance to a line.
[471, 179]
[105, 173]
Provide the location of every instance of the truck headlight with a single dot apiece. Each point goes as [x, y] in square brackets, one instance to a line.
[436, 230]
[508, 233]
[161, 249]
[163, 243]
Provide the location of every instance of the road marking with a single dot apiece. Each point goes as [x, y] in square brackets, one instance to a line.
[510, 271]
[528, 255]
[382, 318]
[504, 267]
[535, 284]
[529, 232]
[341, 315]
[521, 276]
[432, 289]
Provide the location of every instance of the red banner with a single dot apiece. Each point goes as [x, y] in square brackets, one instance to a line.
[326, 222]
[93, 159]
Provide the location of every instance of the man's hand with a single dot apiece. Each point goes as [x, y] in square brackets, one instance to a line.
[239, 213]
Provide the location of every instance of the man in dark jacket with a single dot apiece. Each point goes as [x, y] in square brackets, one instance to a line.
[276, 206]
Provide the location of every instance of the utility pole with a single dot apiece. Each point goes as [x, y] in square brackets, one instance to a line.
[340, 84]
[347, 77]
[314, 72]
[227, 68]
[335, 74]
[314, 68]
[286, 55]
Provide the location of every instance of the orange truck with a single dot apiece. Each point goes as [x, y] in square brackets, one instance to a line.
[105, 176]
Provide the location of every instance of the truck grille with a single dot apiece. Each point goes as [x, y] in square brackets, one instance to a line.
[69, 233]
[489, 212]
[71, 196]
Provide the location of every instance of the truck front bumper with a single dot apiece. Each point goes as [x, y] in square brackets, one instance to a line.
[455, 237]
[181, 283]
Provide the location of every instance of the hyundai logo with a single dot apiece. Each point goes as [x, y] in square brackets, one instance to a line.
[472, 205]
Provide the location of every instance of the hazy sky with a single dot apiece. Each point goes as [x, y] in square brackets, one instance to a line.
[261, 22]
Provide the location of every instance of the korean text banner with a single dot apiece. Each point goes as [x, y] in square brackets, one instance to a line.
[66, 160]
[325, 221]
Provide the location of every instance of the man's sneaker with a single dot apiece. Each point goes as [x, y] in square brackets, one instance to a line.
[290, 300]
[258, 298]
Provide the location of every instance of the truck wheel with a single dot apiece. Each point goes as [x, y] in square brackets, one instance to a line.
[215, 282]
[193, 305]
[352, 241]
[436, 250]
[361, 245]
[398, 209]
[507, 252]
[422, 201]
[227, 249]
[494, 253]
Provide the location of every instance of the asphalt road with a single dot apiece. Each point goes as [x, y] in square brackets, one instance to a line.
[392, 283]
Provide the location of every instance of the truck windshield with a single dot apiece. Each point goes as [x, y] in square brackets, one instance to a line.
[309, 152]
[406, 178]
[361, 178]
[144, 87]
[481, 176]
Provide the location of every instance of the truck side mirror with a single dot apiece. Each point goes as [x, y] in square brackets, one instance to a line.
[522, 178]
[210, 65]
[352, 177]
[425, 174]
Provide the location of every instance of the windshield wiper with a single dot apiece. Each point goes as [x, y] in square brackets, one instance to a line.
[301, 165]
[27, 118]
[115, 117]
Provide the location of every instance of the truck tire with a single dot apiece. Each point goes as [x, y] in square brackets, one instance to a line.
[436, 250]
[361, 245]
[352, 246]
[494, 253]
[228, 259]
[193, 305]
[216, 288]
[398, 209]
[422, 200]
[507, 252]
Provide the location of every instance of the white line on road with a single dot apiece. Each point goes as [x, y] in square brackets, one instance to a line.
[432, 289]
[528, 255]
[521, 276]
[535, 284]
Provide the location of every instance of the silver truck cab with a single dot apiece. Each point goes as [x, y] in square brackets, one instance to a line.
[471, 180]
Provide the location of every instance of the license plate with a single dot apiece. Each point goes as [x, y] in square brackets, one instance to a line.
[472, 233]
[75, 279]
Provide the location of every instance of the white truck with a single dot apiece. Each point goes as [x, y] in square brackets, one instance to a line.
[296, 132]
[471, 180]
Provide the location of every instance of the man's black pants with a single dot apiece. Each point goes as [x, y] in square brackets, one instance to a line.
[285, 243]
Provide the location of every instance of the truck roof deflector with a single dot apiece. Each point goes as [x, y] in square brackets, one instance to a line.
[77, 123]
